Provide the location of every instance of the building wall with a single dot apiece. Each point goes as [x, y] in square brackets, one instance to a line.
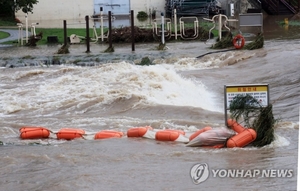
[58, 10]
[77, 9]
[51, 13]
[148, 6]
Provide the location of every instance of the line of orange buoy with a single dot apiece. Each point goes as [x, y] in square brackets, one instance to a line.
[235, 126]
[32, 132]
[70, 133]
[167, 135]
[138, 131]
[108, 134]
[243, 137]
[161, 135]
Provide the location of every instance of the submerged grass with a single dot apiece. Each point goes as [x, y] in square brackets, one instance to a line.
[256, 44]
[255, 116]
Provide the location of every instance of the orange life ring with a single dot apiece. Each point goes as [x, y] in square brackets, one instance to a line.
[108, 134]
[138, 131]
[32, 132]
[199, 132]
[235, 126]
[167, 135]
[238, 41]
[69, 133]
[242, 139]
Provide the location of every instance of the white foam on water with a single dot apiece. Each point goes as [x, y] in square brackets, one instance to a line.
[166, 87]
[72, 87]
[287, 125]
[279, 141]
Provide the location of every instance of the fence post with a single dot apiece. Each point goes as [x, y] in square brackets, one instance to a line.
[132, 31]
[87, 38]
[101, 22]
[109, 30]
[65, 33]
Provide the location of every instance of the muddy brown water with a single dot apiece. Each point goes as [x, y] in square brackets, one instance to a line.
[178, 92]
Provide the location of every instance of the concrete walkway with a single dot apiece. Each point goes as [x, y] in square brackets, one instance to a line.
[13, 35]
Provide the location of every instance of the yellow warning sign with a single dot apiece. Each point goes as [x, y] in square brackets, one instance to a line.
[258, 91]
[246, 89]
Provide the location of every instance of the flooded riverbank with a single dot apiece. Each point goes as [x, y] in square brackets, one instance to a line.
[178, 92]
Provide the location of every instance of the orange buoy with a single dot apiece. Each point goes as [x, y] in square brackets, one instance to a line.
[235, 126]
[242, 139]
[167, 135]
[108, 134]
[199, 132]
[69, 133]
[138, 131]
[113, 131]
[32, 132]
[175, 130]
[238, 41]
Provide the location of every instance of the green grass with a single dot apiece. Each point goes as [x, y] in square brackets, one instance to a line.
[7, 22]
[204, 25]
[60, 34]
[53, 32]
[3, 35]
[207, 26]
[79, 32]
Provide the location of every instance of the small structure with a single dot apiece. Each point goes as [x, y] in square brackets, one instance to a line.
[251, 20]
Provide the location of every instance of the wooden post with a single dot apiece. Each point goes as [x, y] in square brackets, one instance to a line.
[65, 33]
[87, 38]
[132, 31]
[109, 30]
[101, 22]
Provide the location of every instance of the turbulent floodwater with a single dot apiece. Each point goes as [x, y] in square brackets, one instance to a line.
[179, 92]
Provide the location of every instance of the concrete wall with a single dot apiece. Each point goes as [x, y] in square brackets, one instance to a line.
[148, 6]
[53, 11]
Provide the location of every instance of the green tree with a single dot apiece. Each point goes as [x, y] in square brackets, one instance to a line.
[8, 8]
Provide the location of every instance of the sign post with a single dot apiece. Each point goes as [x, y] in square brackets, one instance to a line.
[258, 91]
